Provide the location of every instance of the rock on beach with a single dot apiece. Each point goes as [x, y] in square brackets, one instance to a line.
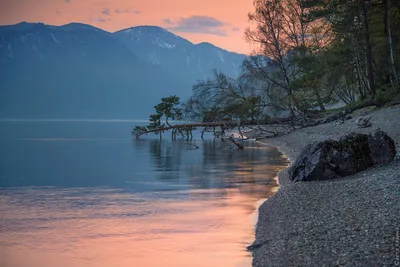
[332, 159]
[350, 221]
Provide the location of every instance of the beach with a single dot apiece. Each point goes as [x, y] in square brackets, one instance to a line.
[352, 221]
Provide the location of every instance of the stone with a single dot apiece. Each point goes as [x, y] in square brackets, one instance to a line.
[397, 157]
[382, 148]
[364, 122]
[352, 153]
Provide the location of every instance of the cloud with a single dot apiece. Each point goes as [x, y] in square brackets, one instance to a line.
[168, 21]
[235, 29]
[105, 11]
[67, 1]
[99, 20]
[127, 10]
[197, 24]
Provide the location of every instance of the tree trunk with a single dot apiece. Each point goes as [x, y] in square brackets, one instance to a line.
[360, 78]
[178, 127]
[319, 100]
[387, 74]
[370, 70]
[237, 144]
[389, 39]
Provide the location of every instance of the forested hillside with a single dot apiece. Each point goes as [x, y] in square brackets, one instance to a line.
[311, 55]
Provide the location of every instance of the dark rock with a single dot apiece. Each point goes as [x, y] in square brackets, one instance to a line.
[382, 148]
[351, 154]
[364, 122]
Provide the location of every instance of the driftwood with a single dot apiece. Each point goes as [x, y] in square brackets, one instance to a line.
[294, 122]
[192, 125]
[395, 103]
[236, 143]
[202, 124]
[308, 120]
[347, 111]
[364, 122]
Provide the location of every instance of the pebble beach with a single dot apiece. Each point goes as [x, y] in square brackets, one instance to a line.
[352, 221]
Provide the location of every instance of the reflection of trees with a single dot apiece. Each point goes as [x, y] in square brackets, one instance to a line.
[211, 167]
[248, 170]
[166, 157]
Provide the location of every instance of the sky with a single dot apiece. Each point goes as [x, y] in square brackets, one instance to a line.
[220, 22]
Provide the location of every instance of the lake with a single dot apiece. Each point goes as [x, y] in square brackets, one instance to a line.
[86, 193]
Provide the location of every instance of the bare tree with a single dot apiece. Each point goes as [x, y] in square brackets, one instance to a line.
[222, 98]
[281, 33]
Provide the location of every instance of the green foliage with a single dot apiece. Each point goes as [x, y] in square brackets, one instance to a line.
[383, 96]
[362, 31]
[311, 53]
[139, 129]
[224, 99]
[380, 97]
[167, 109]
[155, 121]
[212, 115]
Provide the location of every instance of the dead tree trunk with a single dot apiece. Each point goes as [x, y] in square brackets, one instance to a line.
[236, 143]
[180, 127]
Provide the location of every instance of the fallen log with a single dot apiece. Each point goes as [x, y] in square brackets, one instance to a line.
[347, 111]
[395, 103]
[236, 143]
[200, 124]
[192, 125]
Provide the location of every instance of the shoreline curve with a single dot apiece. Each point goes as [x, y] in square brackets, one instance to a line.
[345, 222]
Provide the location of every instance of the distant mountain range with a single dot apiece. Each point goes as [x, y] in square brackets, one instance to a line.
[80, 71]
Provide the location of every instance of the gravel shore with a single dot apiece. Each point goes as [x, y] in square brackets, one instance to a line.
[352, 221]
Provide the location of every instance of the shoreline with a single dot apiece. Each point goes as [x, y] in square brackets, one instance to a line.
[350, 221]
[284, 151]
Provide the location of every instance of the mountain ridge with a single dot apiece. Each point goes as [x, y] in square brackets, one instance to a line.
[80, 71]
[24, 24]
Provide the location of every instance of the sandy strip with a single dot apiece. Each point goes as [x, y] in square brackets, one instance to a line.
[347, 222]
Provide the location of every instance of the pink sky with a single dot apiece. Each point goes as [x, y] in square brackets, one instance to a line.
[220, 22]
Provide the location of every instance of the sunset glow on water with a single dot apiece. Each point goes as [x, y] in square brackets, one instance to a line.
[187, 208]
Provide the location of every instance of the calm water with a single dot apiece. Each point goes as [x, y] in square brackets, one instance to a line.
[85, 193]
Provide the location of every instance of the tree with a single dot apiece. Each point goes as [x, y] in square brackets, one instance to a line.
[310, 53]
[283, 35]
[222, 99]
[167, 109]
[390, 46]
[263, 74]
[369, 29]
[368, 48]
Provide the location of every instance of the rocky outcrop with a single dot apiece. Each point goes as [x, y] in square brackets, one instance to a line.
[351, 154]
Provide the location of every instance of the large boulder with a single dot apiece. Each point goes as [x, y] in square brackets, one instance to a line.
[351, 154]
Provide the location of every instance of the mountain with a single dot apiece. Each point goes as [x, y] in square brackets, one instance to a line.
[161, 47]
[80, 71]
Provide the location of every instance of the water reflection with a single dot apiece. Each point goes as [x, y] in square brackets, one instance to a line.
[109, 228]
[251, 170]
[96, 197]
[166, 160]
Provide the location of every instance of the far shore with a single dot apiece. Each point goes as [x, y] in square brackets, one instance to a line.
[351, 221]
